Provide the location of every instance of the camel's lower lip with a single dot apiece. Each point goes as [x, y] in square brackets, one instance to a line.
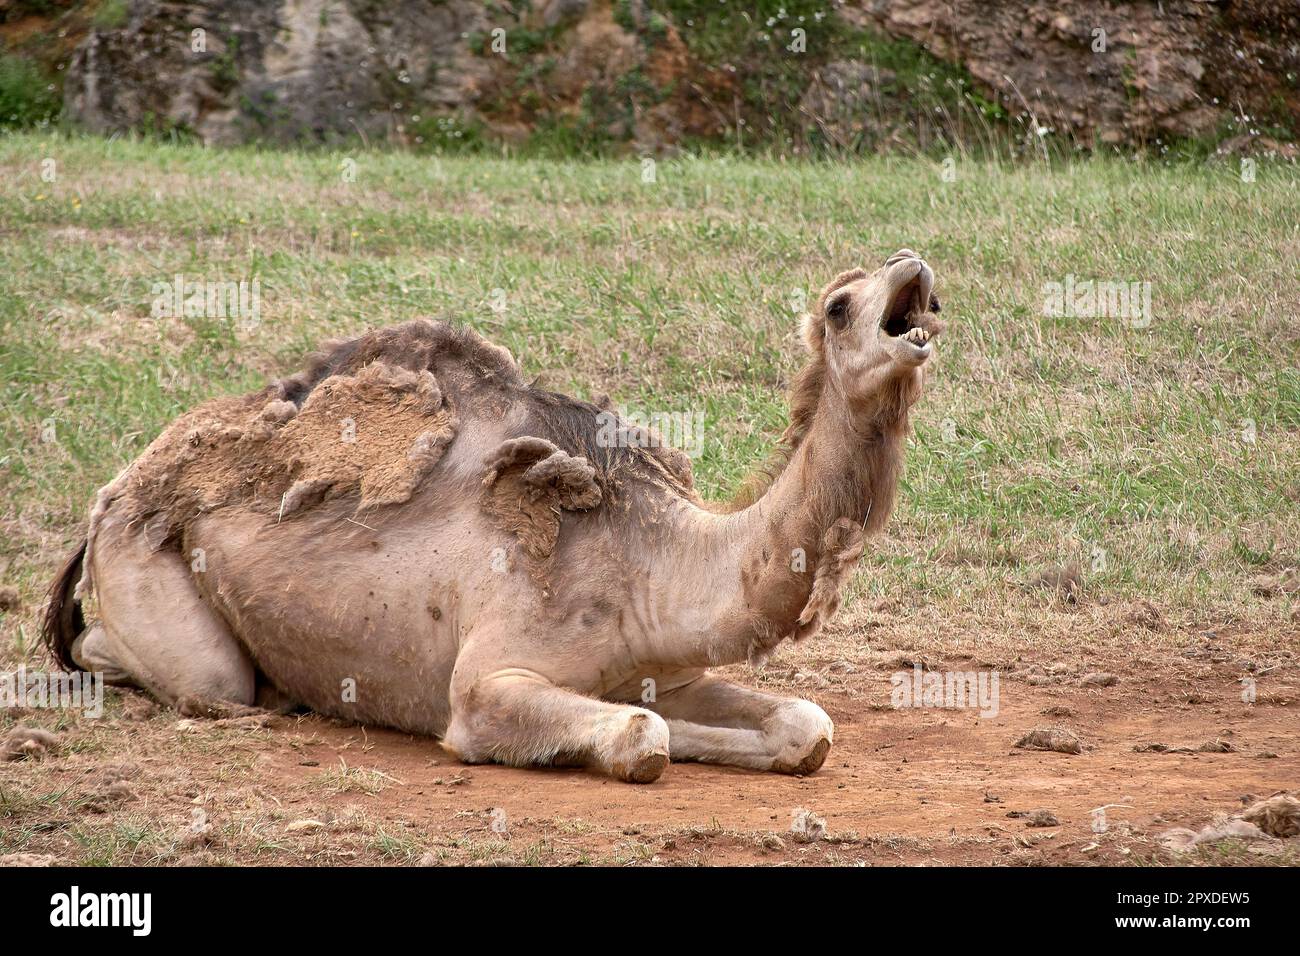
[907, 350]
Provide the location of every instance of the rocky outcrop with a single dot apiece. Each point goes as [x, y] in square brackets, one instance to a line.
[1114, 73]
[279, 70]
[623, 72]
[231, 71]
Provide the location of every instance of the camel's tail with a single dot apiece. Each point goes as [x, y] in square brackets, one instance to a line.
[64, 621]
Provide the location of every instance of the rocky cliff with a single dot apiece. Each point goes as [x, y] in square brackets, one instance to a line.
[1122, 72]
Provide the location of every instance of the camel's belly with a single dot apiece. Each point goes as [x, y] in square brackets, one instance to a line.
[353, 623]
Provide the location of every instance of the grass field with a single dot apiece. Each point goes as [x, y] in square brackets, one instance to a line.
[1162, 453]
[1164, 458]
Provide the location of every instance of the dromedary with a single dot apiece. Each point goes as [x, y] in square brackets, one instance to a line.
[408, 534]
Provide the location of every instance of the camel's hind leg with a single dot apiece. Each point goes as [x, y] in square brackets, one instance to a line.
[157, 629]
[90, 650]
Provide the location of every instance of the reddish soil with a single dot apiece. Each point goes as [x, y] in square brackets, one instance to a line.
[915, 786]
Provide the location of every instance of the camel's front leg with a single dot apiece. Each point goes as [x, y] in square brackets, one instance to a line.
[714, 721]
[517, 717]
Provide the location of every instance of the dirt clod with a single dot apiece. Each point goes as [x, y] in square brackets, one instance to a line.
[1056, 739]
[1215, 747]
[1066, 582]
[1283, 584]
[1098, 679]
[1277, 816]
[112, 789]
[1145, 614]
[28, 743]
[138, 707]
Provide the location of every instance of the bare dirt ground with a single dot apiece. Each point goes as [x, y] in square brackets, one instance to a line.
[901, 786]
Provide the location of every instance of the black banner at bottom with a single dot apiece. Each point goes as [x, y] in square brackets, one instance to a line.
[240, 906]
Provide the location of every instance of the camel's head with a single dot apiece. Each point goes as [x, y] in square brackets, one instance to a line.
[875, 330]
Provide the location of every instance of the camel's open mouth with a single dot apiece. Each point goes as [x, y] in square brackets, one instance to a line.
[905, 317]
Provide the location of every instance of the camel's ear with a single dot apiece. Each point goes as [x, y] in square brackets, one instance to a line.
[813, 330]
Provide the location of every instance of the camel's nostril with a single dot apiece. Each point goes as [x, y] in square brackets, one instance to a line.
[900, 256]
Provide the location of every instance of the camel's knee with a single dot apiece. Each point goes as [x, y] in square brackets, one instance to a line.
[636, 749]
[466, 740]
[524, 721]
[800, 733]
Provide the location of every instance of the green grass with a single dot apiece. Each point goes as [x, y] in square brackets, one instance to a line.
[1040, 439]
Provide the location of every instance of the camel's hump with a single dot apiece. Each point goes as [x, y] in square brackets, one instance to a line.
[369, 419]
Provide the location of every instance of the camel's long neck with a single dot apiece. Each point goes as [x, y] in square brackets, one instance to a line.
[841, 469]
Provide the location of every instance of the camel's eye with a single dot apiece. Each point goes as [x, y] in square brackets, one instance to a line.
[837, 312]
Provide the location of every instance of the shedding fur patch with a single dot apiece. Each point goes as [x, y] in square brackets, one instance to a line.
[374, 434]
[528, 484]
[842, 546]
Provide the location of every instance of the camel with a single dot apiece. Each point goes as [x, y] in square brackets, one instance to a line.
[408, 534]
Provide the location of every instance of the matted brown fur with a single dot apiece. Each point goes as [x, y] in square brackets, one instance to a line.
[373, 434]
[529, 482]
[368, 418]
